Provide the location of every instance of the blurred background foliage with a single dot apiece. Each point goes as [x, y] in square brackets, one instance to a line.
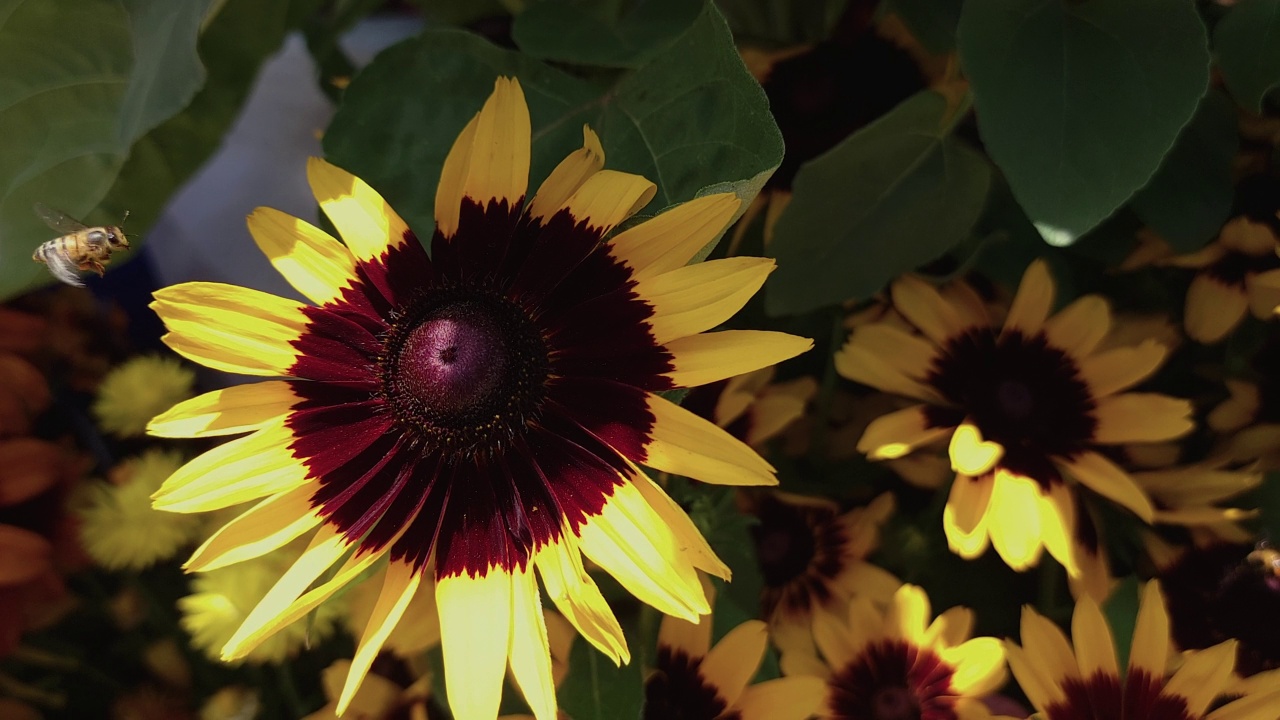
[980, 134]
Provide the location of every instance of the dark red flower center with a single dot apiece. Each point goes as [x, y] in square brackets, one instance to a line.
[676, 690]
[1021, 392]
[464, 369]
[800, 552]
[892, 680]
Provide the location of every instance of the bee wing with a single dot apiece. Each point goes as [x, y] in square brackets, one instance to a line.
[63, 269]
[57, 219]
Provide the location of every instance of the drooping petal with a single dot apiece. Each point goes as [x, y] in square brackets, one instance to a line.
[1015, 520]
[673, 238]
[568, 176]
[578, 598]
[229, 411]
[312, 261]
[898, 433]
[695, 298]
[230, 328]
[1105, 478]
[475, 634]
[398, 587]
[682, 443]
[1057, 510]
[265, 527]
[708, 357]
[629, 541]
[530, 649]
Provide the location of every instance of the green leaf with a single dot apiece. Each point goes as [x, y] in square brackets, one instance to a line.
[607, 33]
[1247, 45]
[689, 118]
[596, 689]
[234, 45]
[896, 194]
[782, 22]
[932, 22]
[1189, 198]
[1078, 102]
[1121, 611]
[166, 71]
[64, 71]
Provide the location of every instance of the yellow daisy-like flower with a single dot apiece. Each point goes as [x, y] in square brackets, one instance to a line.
[694, 681]
[222, 599]
[813, 558]
[895, 663]
[120, 529]
[1085, 682]
[481, 412]
[138, 390]
[1238, 273]
[1023, 407]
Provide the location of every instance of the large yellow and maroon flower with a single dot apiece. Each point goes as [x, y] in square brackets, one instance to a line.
[1024, 407]
[476, 413]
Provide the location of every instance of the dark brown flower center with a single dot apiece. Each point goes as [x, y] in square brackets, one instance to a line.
[464, 369]
[1021, 392]
[892, 680]
[676, 690]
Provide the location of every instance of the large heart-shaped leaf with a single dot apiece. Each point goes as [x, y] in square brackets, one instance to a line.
[1078, 102]
[607, 33]
[691, 118]
[1247, 45]
[894, 195]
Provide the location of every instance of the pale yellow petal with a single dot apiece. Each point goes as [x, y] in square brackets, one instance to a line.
[966, 519]
[238, 471]
[970, 454]
[475, 652]
[265, 527]
[398, 586]
[695, 298]
[312, 261]
[578, 598]
[530, 648]
[708, 357]
[229, 411]
[979, 666]
[1015, 520]
[367, 224]
[683, 443]
[675, 237]
[674, 517]
[230, 328]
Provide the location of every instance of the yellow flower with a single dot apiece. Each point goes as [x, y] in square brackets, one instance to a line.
[1085, 682]
[138, 390]
[230, 703]
[1238, 273]
[120, 529]
[479, 413]
[752, 407]
[694, 681]
[894, 662]
[1024, 409]
[813, 558]
[221, 599]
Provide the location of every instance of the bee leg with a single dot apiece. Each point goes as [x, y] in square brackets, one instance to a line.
[96, 266]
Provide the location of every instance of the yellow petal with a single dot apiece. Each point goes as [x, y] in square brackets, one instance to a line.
[265, 527]
[1111, 371]
[325, 549]
[1033, 301]
[568, 176]
[1203, 676]
[1105, 478]
[609, 197]
[475, 635]
[734, 660]
[708, 357]
[230, 328]
[694, 298]
[230, 411]
[1141, 417]
[238, 471]
[792, 698]
[1263, 291]
[1015, 520]
[869, 367]
[367, 224]
[1150, 650]
[398, 587]
[578, 598]
[908, 616]
[312, 261]
[1080, 326]
[979, 666]
[839, 646]
[630, 542]
[912, 355]
[673, 238]
[970, 454]
[1248, 236]
[965, 518]
[1057, 511]
[453, 177]
[803, 664]
[924, 307]
[530, 648]
[674, 517]
[682, 443]
[1213, 308]
[1095, 648]
[691, 638]
[1039, 689]
[1046, 642]
[898, 433]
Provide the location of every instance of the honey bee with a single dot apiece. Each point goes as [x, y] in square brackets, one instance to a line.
[80, 248]
[1265, 559]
